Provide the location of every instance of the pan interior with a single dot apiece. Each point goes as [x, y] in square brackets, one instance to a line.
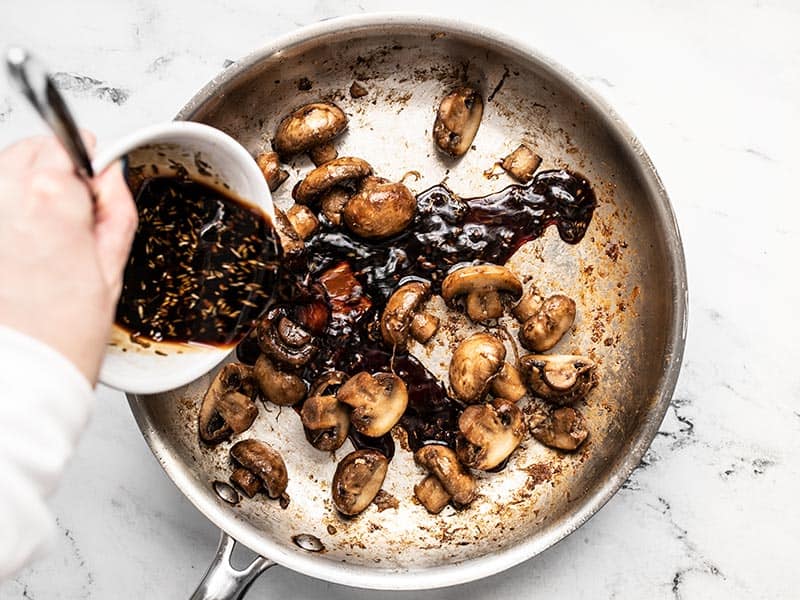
[621, 276]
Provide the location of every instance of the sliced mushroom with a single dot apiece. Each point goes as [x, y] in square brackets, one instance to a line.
[281, 387]
[283, 340]
[336, 172]
[264, 462]
[323, 153]
[559, 378]
[548, 325]
[482, 286]
[380, 209]
[441, 462]
[563, 429]
[304, 221]
[332, 204]
[489, 433]
[291, 244]
[405, 315]
[457, 121]
[225, 409]
[432, 495]
[522, 163]
[325, 419]
[378, 401]
[270, 166]
[477, 363]
[246, 481]
[308, 126]
[358, 479]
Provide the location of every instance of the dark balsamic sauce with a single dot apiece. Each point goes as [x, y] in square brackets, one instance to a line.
[202, 267]
[342, 289]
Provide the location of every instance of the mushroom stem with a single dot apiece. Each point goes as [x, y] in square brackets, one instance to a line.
[484, 306]
[432, 495]
[423, 327]
[508, 384]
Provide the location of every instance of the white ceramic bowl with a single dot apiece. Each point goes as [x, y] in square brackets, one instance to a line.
[208, 155]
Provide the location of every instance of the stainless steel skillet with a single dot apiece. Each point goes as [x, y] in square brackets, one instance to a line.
[627, 276]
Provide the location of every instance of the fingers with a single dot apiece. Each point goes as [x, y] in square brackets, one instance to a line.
[43, 152]
[55, 193]
[116, 220]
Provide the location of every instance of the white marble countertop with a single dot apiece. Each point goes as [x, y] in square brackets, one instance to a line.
[712, 90]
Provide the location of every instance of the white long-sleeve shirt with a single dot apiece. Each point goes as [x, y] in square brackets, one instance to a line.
[44, 405]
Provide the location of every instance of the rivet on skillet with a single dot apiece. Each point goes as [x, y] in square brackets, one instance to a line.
[308, 542]
[226, 492]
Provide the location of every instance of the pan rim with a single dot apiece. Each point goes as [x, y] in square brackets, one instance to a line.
[493, 563]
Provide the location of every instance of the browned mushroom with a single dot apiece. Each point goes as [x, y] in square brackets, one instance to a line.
[558, 378]
[304, 221]
[432, 495]
[358, 478]
[405, 315]
[263, 462]
[227, 407]
[528, 305]
[339, 171]
[378, 401]
[482, 286]
[283, 340]
[457, 121]
[380, 209]
[270, 166]
[308, 126]
[489, 433]
[478, 366]
[291, 244]
[279, 385]
[332, 203]
[246, 481]
[522, 163]
[326, 420]
[563, 429]
[548, 324]
[323, 153]
[441, 462]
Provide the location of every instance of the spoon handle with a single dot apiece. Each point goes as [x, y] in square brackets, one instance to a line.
[35, 83]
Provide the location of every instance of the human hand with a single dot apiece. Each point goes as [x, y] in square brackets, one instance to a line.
[61, 257]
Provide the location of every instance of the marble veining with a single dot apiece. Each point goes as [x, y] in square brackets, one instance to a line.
[712, 90]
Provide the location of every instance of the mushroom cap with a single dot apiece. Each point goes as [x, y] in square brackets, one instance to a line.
[475, 363]
[442, 462]
[400, 311]
[559, 378]
[549, 324]
[378, 401]
[225, 409]
[480, 279]
[563, 429]
[489, 433]
[264, 462]
[284, 388]
[457, 121]
[308, 126]
[380, 209]
[324, 177]
[326, 422]
[357, 480]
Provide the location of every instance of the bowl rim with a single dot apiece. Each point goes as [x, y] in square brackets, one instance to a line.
[490, 564]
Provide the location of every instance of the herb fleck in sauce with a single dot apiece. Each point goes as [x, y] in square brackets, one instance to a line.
[202, 267]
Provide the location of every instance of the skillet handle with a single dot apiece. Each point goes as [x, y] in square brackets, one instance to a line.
[222, 581]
